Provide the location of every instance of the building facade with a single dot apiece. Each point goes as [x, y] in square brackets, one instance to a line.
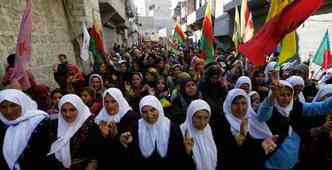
[57, 29]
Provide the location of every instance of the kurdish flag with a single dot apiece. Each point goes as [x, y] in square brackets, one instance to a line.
[323, 56]
[273, 31]
[247, 24]
[207, 38]
[179, 36]
[288, 44]
[96, 42]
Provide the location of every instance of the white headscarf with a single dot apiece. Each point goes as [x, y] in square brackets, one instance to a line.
[243, 80]
[322, 92]
[153, 134]
[123, 107]
[204, 149]
[269, 67]
[232, 120]
[19, 131]
[285, 111]
[297, 80]
[257, 129]
[61, 147]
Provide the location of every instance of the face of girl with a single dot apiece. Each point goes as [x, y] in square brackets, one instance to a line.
[150, 114]
[190, 88]
[255, 102]
[111, 105]
[161, 85]
[136, 80]
[245, 87]
[298, 89]
[86, 97]
[200, 119]
[199, 67]
[285, 97]
[96, 83]
[260, 78]
[9, 110]
[239, 107]
[69, 112]
[103, 68]
[56, 98]
[148, 76]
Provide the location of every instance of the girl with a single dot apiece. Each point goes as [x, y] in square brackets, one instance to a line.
[115, 118]
[23, 132]
[155, 140]
[73, 136]
[198, 138]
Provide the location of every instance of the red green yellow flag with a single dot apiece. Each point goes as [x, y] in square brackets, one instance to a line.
[179, 35]
[288, 45]
[247, 24]
[96, 42]
[323, 54]
[207, 38]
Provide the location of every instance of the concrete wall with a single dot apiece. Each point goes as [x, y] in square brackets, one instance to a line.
[57, 25]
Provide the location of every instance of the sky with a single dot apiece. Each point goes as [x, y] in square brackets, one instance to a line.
[141, 7]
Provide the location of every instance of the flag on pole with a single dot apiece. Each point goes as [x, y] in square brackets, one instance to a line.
[237, 29]
[207, 38]
[247, 24]
[96, 42]
[179, 36]
[23, 49]
[323, 56]
[85, 44]
[288, 47]
[272, 32]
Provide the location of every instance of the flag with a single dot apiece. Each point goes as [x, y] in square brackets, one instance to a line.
[237, 28]
[85, 44]
[247, 24]
[207, 38]
[323, 53]
[272, 32]
[288, 47]
[96, 42]
[179, 36]
[23, 49]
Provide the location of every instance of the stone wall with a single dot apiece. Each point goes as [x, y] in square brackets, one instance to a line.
[57, 26]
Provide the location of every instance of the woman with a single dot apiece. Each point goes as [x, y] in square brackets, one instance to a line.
[155, 140]
[75, 79]
[88, 96]
[188, 93]
[284, 118]
[115, 118]
[244, 83]
[197, 69]
[317, 152]
[297, 83]
[96, 82]
[254, 100]
[260, 85]
[236, 143]
[23, 132]
[56, 95]
[73, 136]
[198, 138]
[133, 90]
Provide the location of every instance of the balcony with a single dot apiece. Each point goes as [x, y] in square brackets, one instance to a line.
[112, 11]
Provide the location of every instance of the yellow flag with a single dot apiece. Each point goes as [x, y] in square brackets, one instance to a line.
[288, 44]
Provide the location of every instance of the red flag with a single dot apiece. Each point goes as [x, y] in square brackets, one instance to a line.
[268, 37]
[327, 60]
[23, 49]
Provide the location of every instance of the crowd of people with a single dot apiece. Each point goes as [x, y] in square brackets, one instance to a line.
[149, 108]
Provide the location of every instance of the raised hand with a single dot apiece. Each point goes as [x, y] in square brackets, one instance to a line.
[188, 142]
[269, 144]
[104, 129]
[114, 129]
[126, 138]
